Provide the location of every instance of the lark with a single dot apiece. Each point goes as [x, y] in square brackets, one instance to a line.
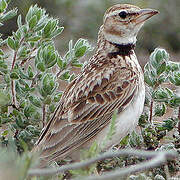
[111, 80]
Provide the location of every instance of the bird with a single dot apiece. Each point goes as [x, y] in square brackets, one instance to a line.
[112, 80]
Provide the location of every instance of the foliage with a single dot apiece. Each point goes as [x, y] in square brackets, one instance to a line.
[4, 14]
[29, 87]
[29, 95]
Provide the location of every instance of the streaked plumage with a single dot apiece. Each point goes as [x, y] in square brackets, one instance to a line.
[111, 80]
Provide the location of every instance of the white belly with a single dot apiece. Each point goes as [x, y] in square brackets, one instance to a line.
[126, 121]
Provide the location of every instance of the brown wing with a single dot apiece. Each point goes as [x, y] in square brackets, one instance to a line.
[95, 94]
[87, 106]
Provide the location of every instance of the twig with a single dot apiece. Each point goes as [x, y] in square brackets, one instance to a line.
[25, 60]
[158, 159]
[43, 114]
[12, 82]
[151, 111]
[15, 54]
[61, 72]
[13, 93]
[34, 80]
[12, 67]
[29, 58]
[14, 60]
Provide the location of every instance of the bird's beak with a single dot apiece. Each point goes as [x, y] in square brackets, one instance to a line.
[145, 14]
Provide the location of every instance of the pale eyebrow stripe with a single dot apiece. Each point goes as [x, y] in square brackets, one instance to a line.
[116, 12]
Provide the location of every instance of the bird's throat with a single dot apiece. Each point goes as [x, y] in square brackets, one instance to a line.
[113, 48]
[121, 49]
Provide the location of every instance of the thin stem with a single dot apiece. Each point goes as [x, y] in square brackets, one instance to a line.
[14, 60]
[34, 80]
[13, 93]
[44, 114]
[12, 67]
[15, 54]
[158, 159]
[151, 111]
[61, 72]
[12, 82]
[26, 60]
[29, 58]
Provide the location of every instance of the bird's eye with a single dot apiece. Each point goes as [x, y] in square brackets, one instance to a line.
[123, 14]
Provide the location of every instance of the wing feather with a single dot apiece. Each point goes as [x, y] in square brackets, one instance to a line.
[100, 89]
[86, 108]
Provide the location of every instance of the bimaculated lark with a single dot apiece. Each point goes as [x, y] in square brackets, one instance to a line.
[112, 80]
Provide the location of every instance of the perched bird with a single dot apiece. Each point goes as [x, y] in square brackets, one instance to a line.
[111, 80]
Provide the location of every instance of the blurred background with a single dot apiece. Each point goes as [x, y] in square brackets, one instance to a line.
[82, 18]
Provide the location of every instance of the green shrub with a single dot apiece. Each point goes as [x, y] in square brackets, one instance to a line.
[29, 89]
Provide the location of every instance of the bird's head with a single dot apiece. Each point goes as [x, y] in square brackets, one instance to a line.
[123, 21]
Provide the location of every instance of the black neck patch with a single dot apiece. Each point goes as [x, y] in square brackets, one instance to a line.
[122, 49]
